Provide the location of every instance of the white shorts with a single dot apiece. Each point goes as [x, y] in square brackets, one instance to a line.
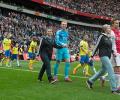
[115, 60]
[117, 76]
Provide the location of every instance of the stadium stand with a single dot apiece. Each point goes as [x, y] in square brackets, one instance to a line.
[110, 8]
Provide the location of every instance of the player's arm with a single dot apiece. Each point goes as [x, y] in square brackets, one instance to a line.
[113, 43]
[97, 45]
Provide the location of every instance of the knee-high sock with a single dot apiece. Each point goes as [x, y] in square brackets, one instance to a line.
[56, 69]
[78, 66]
[86, 69]
[7, 61]
[3, 59]
[10, 63]
[18, 63]
[31, 64]
[67, 67]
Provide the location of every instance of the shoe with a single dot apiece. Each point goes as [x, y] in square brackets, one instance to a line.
[40, 79]
[68, 80]
[116, 92]
[74, 71]
[54, 80]
[89, 84]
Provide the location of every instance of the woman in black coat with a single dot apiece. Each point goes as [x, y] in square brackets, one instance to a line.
[104, 46]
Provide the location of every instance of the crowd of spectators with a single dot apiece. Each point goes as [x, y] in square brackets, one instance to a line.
[23, 26]
[110, 8]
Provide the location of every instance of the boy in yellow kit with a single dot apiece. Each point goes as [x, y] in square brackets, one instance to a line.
[84, 58]
[15, 55]
[6, 47]
[31, 52]
[91, 63]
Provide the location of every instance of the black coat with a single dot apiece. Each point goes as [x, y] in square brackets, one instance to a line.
[47, 45]
[104, 46]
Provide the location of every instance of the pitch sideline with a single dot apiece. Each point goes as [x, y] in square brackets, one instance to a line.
[37, 72]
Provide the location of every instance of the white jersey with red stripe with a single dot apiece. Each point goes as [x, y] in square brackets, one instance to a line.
[117, 35]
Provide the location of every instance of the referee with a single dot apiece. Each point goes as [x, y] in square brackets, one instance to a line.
[45, 50]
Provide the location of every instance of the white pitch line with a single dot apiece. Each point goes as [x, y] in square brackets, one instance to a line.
[38, 72]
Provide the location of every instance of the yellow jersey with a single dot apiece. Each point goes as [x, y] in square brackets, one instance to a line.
[90, 53]
[83, 47]
[6, 44]
[32, 47]
[15, 50]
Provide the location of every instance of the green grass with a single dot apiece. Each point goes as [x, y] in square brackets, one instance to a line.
[23, 85]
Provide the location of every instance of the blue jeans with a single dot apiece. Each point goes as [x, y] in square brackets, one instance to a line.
[106, 67]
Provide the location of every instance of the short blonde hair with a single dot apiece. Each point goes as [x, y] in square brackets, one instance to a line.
[105, 26]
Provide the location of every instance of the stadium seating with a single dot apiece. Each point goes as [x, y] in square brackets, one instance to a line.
[110, 8]
[22, 26]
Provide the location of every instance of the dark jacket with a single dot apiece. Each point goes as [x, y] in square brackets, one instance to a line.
[104, 46]
[47, 45]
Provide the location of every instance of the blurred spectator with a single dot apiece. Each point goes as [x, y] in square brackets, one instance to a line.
[23, 26]
[110, 8]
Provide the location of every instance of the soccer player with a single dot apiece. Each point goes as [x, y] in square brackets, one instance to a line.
[104, 45]
[20, 53]
[91, 63]
[15, 55]
[61, 39]
[6, 48]
[116, 56]
[115, 35]
[31, 52]
[84, 57]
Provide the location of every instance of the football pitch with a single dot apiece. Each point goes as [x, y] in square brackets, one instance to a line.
[21, 84]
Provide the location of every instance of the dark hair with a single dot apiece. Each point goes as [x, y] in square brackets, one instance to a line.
[113, 21]
[84, 35]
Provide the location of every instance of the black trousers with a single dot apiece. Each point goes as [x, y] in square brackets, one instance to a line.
[46, 58]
